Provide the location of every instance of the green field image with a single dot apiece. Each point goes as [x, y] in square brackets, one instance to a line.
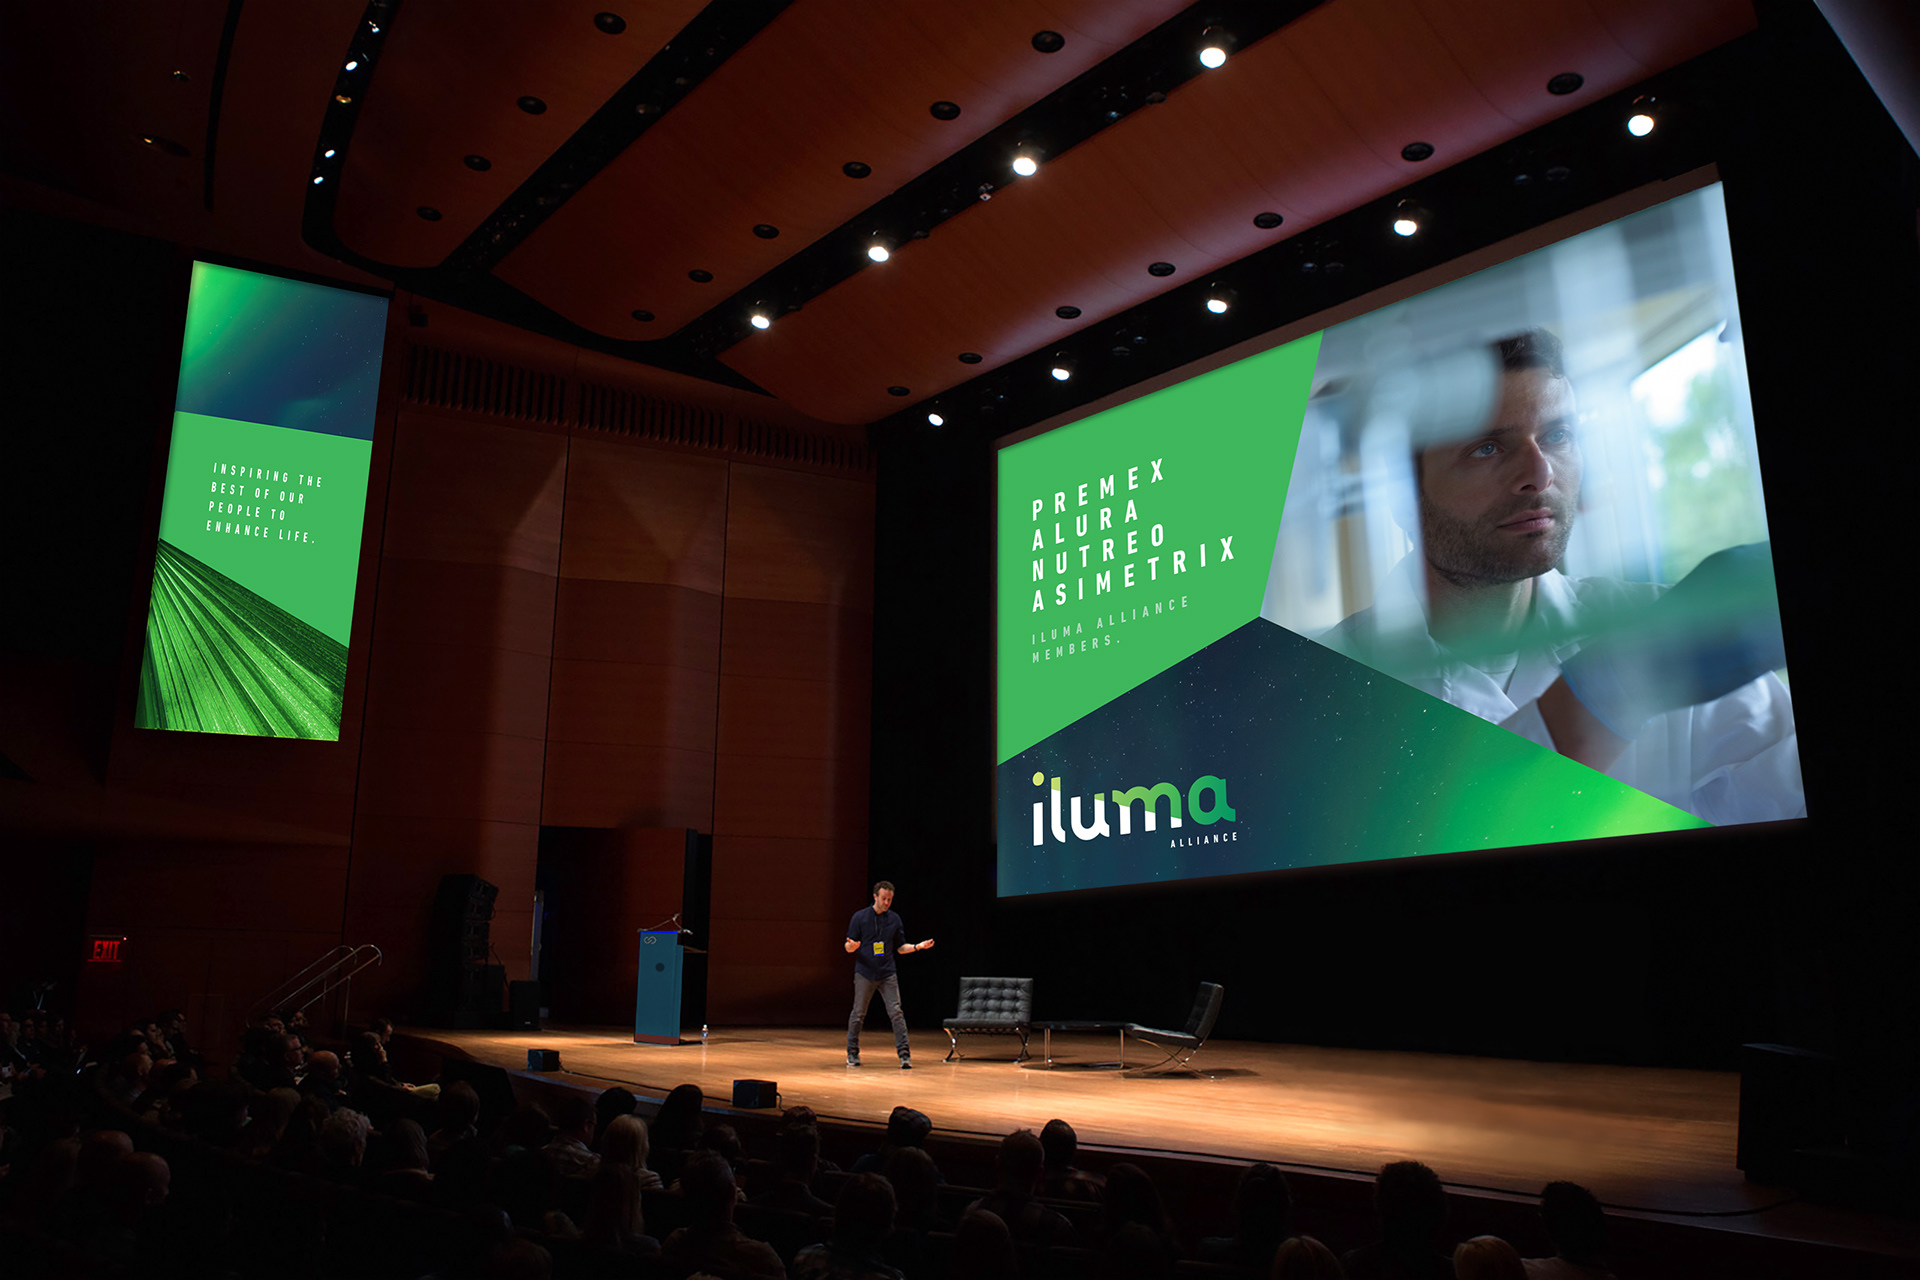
[220, 659]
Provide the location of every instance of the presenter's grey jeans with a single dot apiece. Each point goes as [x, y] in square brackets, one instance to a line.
[889, 989]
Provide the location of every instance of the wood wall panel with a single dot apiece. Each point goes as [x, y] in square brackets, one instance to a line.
[475, 493]
[645, 515]
[633, 702]
[791, 760]
[602, 887]
[456, 687]
[469, 568]
[604, 621]
[797, 641]
[601, 784]
[494, 605]
[794, 536]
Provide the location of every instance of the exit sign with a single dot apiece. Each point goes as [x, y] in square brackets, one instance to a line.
[106, 950]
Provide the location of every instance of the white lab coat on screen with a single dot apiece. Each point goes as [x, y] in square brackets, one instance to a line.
[1735, 759]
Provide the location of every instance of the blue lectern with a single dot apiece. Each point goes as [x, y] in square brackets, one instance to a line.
[656, 997]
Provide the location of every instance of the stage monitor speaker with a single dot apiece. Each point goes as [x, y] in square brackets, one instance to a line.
[523, 1006]
[1789, 1101]
[543, 1059]
[756, 1093]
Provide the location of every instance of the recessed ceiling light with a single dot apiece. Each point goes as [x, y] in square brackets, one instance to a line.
[1067, 313]
[531, 105]
[327, 154]
[353, 64]
[856, 169]
[766, 231]
[1415, 152]
[1644, 116]
[700, 275]
[642, 315]
[759, 319]
[1267, 221]
[318, 179]
[1408, 218]
[1215, 44]
[1061, 371]
[898, 391]
[479, 164]
[878, 252]
[1161, 269]
[1049, 41]
[428, 213]
[971, 357]
[944, 110]
[935, 420]
[610, 23]
[1220, 298]
[1026, 162]
[1566, 82]
[342, 99]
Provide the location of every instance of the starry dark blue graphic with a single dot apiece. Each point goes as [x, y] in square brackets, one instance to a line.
[1325, 760]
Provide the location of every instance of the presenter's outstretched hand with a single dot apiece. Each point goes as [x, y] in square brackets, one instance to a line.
[923, 946]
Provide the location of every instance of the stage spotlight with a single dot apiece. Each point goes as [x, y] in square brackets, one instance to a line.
[761, 317]
[1643, 116]
[1408, 218]
[1215, 44]
[1062, 368]
[1220, 298]
[879, 248]
[1026, 161]
[935, 420]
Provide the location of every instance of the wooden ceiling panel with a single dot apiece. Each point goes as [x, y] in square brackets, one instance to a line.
[1553, 38]
[448, 83]
[1309, 123]
[1662, 34]
[1394, 81]
[763, 139]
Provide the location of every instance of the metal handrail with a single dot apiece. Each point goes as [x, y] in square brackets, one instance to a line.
[337, 973]
[277, 997]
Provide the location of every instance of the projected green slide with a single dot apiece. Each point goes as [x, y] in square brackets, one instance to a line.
[252, 605]
[1485, 568]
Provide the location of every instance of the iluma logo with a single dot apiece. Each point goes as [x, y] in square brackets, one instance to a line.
[1148, 798]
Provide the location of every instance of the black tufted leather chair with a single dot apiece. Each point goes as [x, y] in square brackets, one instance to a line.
[993, 1006]
[1181, 1045]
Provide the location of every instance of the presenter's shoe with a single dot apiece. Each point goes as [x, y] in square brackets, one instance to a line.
[853, 1059]
[906, 1064]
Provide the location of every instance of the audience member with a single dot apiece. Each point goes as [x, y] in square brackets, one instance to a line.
[527, 1129]
[626, 1143]
[615, 1223]
[611, 1104]
[1059, 1180]
[404, 1171]
[1578, 1227]
[1261, 1207]
[1137, 1252]
[794, 1167]
[710, 1242]
[570, 1152]
[173, 1026]
[1304, 1258]
[680, 1118]
[1412, 1208]
[983, 1248]
[124, 1067]
[456, 1114]
[342, 1144]
[1017, 1167]
[323, 1081]
[905, 1128]
[1131, 1199]
[1487, 1258]
[862, 1221]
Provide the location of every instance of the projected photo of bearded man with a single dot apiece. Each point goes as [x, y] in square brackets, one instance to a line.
[1669, 690]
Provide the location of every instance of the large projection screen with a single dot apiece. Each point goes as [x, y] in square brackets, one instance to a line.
[1327, 604]
[266, 490]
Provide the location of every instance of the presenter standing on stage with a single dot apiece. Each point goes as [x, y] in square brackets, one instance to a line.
[874, 937]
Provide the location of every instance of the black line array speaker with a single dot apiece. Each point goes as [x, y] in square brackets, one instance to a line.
[523, 1006]
[1789, 1101]
[459, 979]
[756, 1093]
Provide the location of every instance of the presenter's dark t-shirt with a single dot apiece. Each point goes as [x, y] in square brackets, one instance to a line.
[879, 937]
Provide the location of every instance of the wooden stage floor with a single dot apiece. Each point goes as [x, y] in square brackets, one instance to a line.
[1655, 1139]
[1646, 1141]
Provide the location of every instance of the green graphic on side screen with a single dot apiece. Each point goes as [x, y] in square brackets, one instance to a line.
[1198, 538]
